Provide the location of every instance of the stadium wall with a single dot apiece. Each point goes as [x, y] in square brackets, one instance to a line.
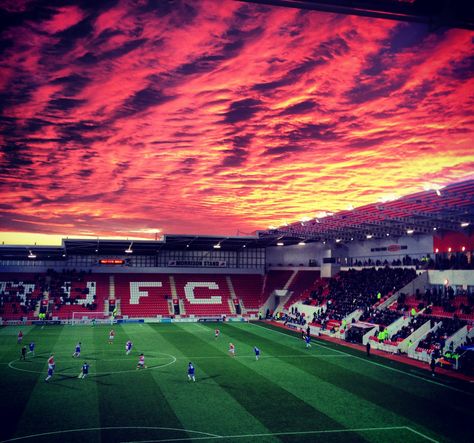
[297, 255]
[452, 277]
[416, 247]
[131, 270]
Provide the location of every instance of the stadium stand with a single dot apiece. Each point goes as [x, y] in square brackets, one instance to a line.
[360, 289]
[204, 295]
[143, 295]
[248, 289]
[301, 286]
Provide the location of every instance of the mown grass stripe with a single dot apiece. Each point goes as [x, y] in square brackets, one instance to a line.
[197, 404]
[414, 408]
[135, 389]
[18, 392]
[371, 362]
[260, 400]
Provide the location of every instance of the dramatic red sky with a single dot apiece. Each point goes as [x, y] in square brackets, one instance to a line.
[216, 116]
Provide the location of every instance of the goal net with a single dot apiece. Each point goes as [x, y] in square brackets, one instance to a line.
[88, 318]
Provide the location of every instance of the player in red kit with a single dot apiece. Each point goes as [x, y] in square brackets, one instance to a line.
[20, 337]
[217, 333]
[51, 367]
[141, 362]
[231, 349]
[111, 336]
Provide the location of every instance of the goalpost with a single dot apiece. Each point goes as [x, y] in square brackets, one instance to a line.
[89, 318]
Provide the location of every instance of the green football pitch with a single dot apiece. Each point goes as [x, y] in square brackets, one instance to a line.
[327, 393]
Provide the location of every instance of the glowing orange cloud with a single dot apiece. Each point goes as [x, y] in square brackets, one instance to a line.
[219, 117]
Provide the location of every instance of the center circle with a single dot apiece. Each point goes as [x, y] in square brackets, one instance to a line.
[171, 358]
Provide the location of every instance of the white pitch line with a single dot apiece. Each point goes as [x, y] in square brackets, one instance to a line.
[111, 428]
[378, 364]
[274, 434]
[421, 434]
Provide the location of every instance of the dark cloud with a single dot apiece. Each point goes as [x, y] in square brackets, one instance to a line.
[299, 108]
[279, 150]
[15, 158]
[412, 97]
[67, 40]
[291, 77]
[65, 104]
[313, 131]
[73, 84]
[374, 88]
[84, 173]
[242, 110]
[235, 40]
[91, 58]
[461, 70]
[143, 100]
[235, 157]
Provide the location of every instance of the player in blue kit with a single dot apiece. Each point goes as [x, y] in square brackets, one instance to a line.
[128, 347]
[77, 353]
[191, 372]
[32, 348]
[307, 339]
[84, 371]
[257, 353]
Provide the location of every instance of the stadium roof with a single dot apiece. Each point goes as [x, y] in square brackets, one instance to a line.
[118, 248]
[436, 13]
[429, 212]
[450, 209]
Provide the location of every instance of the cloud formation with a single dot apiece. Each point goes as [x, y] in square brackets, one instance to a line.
[213, 117]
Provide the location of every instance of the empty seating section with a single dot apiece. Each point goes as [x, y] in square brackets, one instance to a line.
[274, 280]
[248, 288]
[143, 295]
[301, 286]
[203, 294]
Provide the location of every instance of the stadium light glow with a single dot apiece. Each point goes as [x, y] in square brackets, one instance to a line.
[338, 240]
[280, 243]
[217, 246]
[129, 250]
[410, 231]
[31, 255]
[301, 243]
[369, 236]
[449, 249]
[435, 228]
[436, 250]
[387, 234]
[464, 224]
[463, 248]
[433, 187]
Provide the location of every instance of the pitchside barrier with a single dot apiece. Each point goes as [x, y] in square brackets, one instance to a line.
[83, 319]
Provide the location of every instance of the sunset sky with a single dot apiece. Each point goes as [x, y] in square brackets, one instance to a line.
[213, 117]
